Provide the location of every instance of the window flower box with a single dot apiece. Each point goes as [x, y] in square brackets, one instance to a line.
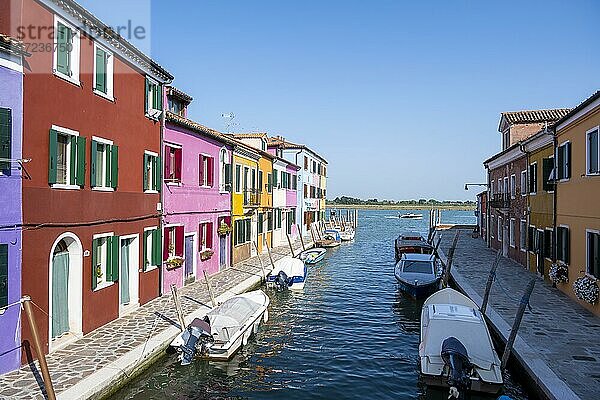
[174, 262]
[224, 229]
[559, 273]
[586, 289]
[206, 254]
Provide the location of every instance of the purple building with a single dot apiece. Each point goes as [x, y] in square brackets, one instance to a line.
[11, 217]
[196, 196]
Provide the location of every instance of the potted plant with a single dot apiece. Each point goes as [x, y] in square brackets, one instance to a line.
[206, 254]
[559, 273]
[223, 229]
[174, 262]
[586, 289]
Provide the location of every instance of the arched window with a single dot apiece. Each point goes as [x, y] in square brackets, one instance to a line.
[224, 170]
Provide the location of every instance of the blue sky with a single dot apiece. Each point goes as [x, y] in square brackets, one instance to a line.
[402, 98]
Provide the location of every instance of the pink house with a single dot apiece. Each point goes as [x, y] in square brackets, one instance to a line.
[196, 196]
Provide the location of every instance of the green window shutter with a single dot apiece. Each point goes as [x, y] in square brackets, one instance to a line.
[275, 178]
[157, 174]
[146, 95]
[5, 139]
[101, 70]
[159, 93]
[145, 185]
[80, 170]
[269, 182]
[228, 177]
[145, 261]
[547, 165]
[63, 55]
[3, 275]
[94, 263]
[92, 164]
[567, 246]
[52, 150]
[157, 243]
[114, 166]
[113, 259]
[72, 159]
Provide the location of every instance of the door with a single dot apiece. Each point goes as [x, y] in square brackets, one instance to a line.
[540, 252]
[60, 294]
[189, 260]
[505, 239]
[124, 273]
[222, 252]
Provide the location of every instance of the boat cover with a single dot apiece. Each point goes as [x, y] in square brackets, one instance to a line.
[291, 266]
[229, 317]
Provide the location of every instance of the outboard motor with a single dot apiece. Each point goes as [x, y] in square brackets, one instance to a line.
[282, 281]
[196, 334]
[456, 358]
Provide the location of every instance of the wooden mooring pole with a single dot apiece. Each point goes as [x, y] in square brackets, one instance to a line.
[270, 256]
[301, 239]
[517, 323]
[38, 348]
[290, 243]
[446, 276]
[212, 296]
[262, 266]
[490, 280]
[178, 309]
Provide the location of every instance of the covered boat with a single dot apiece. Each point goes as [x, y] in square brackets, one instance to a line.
[312, 256]
[456, 349]
[288, 273]
[224, 329]
[331, 238]
[411, 242]
[418, 274]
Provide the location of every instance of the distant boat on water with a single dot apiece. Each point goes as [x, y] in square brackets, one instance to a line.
[411, 216]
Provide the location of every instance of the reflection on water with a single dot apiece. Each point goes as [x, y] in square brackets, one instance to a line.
[350, 334]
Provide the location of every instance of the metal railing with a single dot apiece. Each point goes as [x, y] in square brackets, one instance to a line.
[500, 200]
[252, 197]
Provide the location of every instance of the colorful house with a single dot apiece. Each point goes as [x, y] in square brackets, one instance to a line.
[11, 219]
[577, 176]
[284, 200]
[312, 179]
[196, 196]
[91, 253]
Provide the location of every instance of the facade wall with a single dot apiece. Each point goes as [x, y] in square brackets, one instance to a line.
[291, 199]
[266, 206]
[83, 212]
[11, 98]
[519, 132]
[189, 203]
[577, 206]
[242, 251]
[279, 202]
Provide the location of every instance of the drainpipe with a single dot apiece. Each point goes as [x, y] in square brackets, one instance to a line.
[527, 262]
[162, 190]
[555, 193]
[301, 213]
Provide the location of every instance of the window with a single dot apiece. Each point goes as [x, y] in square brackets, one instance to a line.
[173, 242]
[505, 186]
[176, 106]
[105, 164]
[103, 72]
[533, 178]
[225, 172]
[206, 170]
[5, 140]
[261, 221]
[269, 221]
[531, 238]
[276, 179]
[547, 167]
[513, 186]
[238, 180]
[269, 183]
[562, 244]
[314, 167]
[499, 229]
[278, 217]
[294, 182]
[592, 151]
[593, 253]
[3, 275]
[151, 179]
[152, 248]
[67, 158]
[548, 243]
[291, 220]
[153, 98]
[205, 234]
[305, 190]
[305, 162]
[242, 231]
[105, 260]
[523, 235]
[511, 232]
[260, 181]
[563, 161]
[324, 170]
[173, 160]
[66, 51]
[524, 183]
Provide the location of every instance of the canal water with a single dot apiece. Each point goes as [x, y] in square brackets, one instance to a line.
[351, 334]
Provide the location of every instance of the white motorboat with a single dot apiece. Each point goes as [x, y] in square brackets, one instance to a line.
[411, 216]
[312, 256]
[347, 234]
[225, 329]
[288, 273]
[456, 348]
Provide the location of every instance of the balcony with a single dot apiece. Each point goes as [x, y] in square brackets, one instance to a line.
[252, 197]
[500, 200]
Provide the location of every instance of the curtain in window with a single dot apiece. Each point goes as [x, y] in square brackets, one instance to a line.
[60, 294]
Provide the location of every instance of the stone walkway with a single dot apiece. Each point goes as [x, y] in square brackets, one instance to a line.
[105, 345]
[560, 331]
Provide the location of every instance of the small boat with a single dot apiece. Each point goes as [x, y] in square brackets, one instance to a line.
[411, 216]
[347, 235]
[418, 274]
[411, 242]
[312, 256]
[331, 238]
[456, 348]
[288, 273]
[224, 329]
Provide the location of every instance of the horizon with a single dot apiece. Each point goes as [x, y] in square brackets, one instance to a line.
[432, 76]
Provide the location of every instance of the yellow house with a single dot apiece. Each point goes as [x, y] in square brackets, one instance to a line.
[244, 201]
[540, 188]
[578, 190]
[267, 217]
